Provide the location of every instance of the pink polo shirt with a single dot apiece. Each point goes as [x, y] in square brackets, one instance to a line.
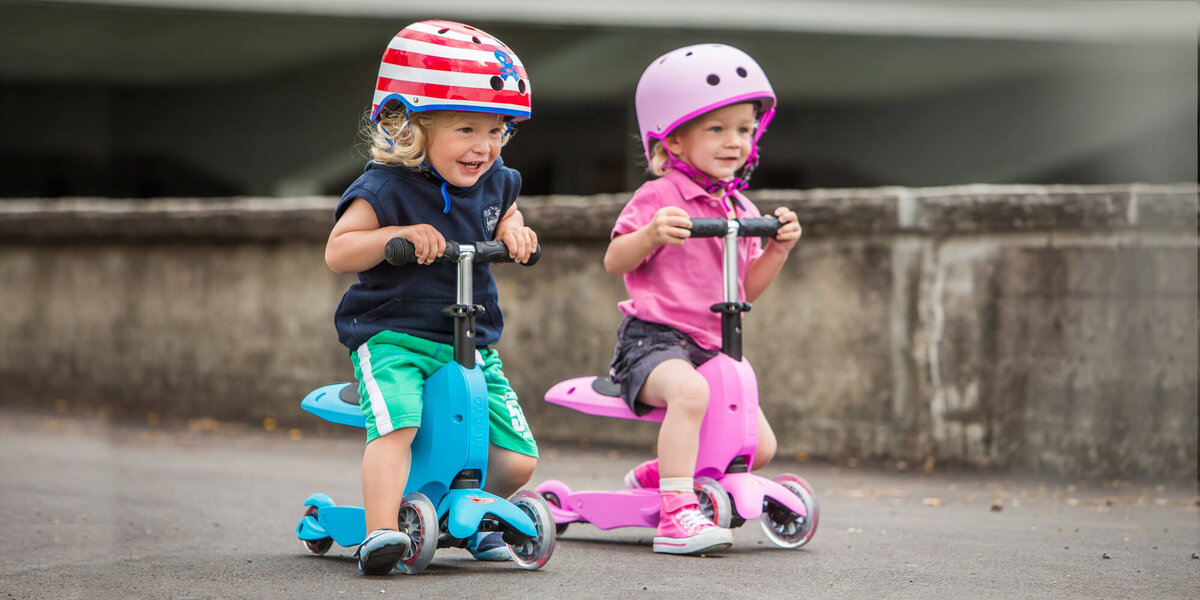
[676, 285]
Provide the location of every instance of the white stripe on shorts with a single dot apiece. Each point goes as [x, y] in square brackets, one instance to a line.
[383, 420]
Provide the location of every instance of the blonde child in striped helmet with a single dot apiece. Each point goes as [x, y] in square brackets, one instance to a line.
[445, 102]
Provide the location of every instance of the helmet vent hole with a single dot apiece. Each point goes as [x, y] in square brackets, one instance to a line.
[521, 86]
[475, 39]
[688, 54]
[713, 80]
[497, 83]
[741, 72]
[444, 30]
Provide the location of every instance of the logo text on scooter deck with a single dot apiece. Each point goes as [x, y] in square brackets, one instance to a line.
[482, 500]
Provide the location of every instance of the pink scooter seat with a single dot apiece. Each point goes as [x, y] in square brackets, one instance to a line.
[597, 396]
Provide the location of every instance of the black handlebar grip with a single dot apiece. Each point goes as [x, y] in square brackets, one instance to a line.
[497, 252]
[759, 226]
[400, 251]
[534, 257]
[491, 252]
[709, 227]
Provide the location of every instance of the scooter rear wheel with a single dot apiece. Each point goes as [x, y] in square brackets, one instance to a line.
[784, 527]
[714, 501]
[418, 518]
[536, 551]
[552, 498]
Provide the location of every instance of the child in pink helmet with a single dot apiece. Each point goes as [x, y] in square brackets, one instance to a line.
[445, 101]
[701, 111]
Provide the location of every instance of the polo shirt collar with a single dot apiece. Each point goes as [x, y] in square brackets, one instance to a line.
[687, 187]
[690, 190]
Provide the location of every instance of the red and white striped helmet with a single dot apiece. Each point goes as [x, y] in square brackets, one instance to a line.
[443, 65]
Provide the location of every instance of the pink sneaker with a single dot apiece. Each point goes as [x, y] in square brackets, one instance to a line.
[683, 529]
[644, 475]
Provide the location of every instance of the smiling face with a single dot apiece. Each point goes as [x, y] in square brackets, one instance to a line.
[717, 142]
[463, 145]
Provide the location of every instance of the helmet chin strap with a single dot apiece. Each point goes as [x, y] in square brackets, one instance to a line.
[741, 178]
[710, 185]
[445, 184]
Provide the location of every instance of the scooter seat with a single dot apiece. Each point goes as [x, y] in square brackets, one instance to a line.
[605, 386]
[597, 396]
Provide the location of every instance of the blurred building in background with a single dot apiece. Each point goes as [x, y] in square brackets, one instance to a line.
[142, 98]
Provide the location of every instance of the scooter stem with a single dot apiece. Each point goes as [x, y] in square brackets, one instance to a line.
[731, 309]
[465, 309]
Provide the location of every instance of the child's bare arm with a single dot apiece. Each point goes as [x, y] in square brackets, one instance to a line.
[763, 270]
[521, 240]
[357, 241]
[625, 252]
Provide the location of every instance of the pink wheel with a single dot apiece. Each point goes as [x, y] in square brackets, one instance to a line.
[555, 493]
[714, 501]
[784, 527]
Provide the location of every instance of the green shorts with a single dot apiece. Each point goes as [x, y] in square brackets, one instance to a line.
[392, 368]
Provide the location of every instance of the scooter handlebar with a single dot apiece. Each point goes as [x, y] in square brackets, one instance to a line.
[748, 227]
[400, 251]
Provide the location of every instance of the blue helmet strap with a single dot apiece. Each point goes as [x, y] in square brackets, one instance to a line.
[445, 184]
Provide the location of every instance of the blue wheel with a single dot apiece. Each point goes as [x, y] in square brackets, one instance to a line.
[418, 518]
[320, 546]
[534, 552]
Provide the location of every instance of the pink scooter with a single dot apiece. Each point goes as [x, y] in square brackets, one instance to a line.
[729, 494]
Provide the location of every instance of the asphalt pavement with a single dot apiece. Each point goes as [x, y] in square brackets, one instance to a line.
[95, 509]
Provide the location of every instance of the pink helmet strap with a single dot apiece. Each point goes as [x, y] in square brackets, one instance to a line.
[709, 184]
[740, 181]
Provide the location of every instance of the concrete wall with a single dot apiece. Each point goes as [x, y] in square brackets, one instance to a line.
[1052, 330]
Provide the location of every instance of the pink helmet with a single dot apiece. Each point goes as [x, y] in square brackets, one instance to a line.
[443, 65]
[686, 83]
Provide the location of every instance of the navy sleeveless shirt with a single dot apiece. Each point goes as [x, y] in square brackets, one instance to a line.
[409, 299]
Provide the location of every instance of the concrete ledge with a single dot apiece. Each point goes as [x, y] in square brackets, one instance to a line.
[940, 211]
[1052, 329]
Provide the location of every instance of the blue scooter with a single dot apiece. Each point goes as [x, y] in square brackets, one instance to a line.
[443, 504]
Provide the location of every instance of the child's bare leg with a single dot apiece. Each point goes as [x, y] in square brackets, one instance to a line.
[677, 385]
[507, 471]
[766, 443]
[384, 472]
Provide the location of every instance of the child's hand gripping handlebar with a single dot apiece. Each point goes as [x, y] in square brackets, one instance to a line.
[400, 251]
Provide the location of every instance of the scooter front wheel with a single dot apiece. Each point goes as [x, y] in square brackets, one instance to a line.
[317, 547]
[536, 551]
[714, 501]
[418, 518]
[784, 527]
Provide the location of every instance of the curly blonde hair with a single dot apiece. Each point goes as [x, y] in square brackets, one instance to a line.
[400, 139]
